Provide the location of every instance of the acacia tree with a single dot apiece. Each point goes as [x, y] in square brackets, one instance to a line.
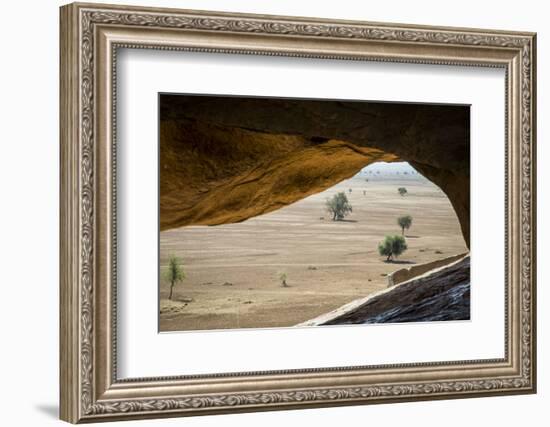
[339, 206]
[392, 246]
[402, 191]
[404, 222]
[174, 273]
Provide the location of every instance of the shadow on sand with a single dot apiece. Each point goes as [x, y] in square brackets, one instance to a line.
[399, 262]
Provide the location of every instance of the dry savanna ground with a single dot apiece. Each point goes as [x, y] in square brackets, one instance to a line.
[232, 271]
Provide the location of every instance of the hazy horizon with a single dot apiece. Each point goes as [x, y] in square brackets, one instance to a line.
[388, 167]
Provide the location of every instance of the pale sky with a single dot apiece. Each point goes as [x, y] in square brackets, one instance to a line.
[384, 167]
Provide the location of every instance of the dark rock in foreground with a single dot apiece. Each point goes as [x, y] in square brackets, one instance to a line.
[440, 294]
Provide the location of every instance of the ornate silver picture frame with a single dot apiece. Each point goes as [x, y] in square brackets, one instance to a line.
[91, 35]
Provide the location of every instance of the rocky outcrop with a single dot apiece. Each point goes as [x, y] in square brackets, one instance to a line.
[407, 273]
[226, 159]
[440, 294]
[212, 175]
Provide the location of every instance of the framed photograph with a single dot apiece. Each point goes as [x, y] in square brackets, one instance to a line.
[266, 212]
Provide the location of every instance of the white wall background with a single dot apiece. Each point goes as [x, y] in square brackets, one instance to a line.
[29, 171]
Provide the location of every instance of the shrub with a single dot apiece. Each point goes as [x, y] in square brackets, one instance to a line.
[339, 206]
[174, 273]
[282, 278]
[392, 246]
[404, 222]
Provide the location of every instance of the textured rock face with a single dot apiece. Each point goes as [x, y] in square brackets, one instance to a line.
[441, 294]
[226, 159]
[405, 274]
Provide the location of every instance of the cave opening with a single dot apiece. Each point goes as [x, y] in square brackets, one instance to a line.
[260, 172]
[226, 159]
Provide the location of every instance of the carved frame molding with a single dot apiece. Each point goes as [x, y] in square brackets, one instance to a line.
[90, 37]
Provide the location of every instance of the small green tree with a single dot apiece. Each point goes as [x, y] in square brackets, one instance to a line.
[339, 206]
[282, 278]
[404, 222]
[174, 273]
[392, 246]
[402, 191]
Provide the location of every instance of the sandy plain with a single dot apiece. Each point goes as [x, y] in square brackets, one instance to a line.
[232, 271]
